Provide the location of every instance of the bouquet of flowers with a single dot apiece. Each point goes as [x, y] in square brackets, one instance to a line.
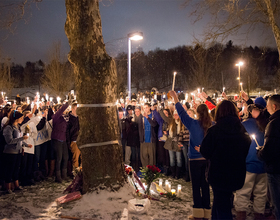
[150, 173]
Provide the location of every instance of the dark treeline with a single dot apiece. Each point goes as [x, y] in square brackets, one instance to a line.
[210, 67]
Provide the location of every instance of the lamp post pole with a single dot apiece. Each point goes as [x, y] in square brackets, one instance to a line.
[239, 65]
[132, 36]
[129, 69]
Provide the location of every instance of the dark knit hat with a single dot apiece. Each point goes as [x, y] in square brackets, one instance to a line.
[16, 114]
[261, 101]
[129, 107]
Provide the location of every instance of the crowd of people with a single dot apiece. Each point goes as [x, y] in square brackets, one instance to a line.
[231, 144]
[38, 142]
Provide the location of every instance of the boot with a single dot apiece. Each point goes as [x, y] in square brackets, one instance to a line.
[198, 214]
[241, 215]
[52, 165]
[207, 214]
[178, 173]
[36, 175]
[58, 177]
[166, 170]
[64, 175]
[173, 171]
[258, 216]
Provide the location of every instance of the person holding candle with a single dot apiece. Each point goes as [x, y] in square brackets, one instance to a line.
[13, 149]
[147, 136]
[162, 153]
[256, 178]
[198, 164]
[226, 146]
[270, 153]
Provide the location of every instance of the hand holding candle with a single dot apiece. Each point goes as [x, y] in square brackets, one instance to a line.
[258, 146]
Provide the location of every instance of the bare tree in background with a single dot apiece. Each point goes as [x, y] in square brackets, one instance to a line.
[14, 11]
[228, 17]
[6, 82]
[58, 75]
[204, 63]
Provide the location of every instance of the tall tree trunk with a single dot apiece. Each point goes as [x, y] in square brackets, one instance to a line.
[274, 26]
[96, 83]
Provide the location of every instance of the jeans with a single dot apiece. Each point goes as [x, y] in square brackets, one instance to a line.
[200, 188]
[61, 154]
[12, 164]
[37, 152]
[221, 208]
[185, 153]
[178, 155]
[274, 187]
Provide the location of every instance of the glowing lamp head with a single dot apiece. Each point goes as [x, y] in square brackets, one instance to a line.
[135, 36]
[239, 64]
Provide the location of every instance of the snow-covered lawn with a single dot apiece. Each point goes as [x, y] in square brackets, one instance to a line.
[38, 202]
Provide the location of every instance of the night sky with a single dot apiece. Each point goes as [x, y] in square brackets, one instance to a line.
[163, 22]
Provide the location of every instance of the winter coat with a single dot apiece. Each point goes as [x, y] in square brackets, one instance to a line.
[162, 124]
[73, 128]
[132, 132]
[153, 124]
[195, 129]
[14, 140]
[253, 163]
[226, 145]
[32, 135]
[270, 153]
[59, 124]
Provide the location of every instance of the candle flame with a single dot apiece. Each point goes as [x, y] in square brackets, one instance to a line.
[253, 136]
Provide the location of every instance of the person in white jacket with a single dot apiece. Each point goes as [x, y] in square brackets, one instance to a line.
[29, 129]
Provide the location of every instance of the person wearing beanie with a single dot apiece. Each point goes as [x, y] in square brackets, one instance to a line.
[261, 101]
[13, 149]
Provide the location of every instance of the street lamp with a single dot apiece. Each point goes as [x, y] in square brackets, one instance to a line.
[239, 65]
[132, 36]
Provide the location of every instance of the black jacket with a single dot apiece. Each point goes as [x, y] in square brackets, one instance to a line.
[73, 128]
[226, 145]
[270, 153]
[132, 133]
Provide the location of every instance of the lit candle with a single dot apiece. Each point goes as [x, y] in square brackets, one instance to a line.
[72, 92]
[179, 188]
[51, 99]
[214, 95]
[254, 137]
[259, 94]
[173, 191]
[202, 89]
[198, 90]
[186, 96]
[166, 185]
[224, 89]
[173, 84]
[275, 91]
[58, 99]
[75, 97]
[241, 86]
[155, 96]
[169, 187]
[47, 97]
[160, 182]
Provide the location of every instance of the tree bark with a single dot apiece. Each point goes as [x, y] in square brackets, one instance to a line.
[275, 28]
[96, 83]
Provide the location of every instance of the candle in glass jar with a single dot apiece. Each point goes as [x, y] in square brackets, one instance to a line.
[179, 188]
[173, 191]
[160, 182]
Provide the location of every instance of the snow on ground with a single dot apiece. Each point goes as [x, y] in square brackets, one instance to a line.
[38, 202]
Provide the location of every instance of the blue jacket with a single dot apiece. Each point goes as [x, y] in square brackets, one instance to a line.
[195, 129]
[253, 164]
